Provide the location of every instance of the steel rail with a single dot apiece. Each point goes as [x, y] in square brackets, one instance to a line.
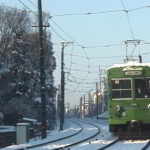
[49, 142]
[81, 141]
[146, 145]
[110, 144]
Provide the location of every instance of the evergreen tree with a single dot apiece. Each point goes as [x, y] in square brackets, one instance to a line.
[19, 65]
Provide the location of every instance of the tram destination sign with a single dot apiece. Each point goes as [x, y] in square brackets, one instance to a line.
[133, 73]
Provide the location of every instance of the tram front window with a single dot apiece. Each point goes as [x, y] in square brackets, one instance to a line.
[142, 88]
[121, 88]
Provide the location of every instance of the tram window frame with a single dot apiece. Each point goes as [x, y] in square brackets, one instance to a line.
[123, 91]
[142, 90]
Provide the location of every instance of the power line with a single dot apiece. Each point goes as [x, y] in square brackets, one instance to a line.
[103, 46]
[14, 8]
[88, 87]
[126, 11]
[25, 5]
[81, 65]
[99, 12]
[66, 33]
[100, 57]
[71, 60]
[58, 34]
[86, 13]
[81, 91]
[32, 3]
[82, 46]
[79, 70]
[80, 83]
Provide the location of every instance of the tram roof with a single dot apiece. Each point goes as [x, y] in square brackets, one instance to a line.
[132, 63]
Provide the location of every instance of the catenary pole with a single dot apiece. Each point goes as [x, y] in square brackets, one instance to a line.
[62, 95]
[80, 107]
[100, 90]
[84, 106]
[62, 88]
[42, 71]
[97, 101]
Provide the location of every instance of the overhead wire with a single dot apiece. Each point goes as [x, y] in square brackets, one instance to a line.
[86, 13]
[63, 39]
[126, 11]
[99, 12]
[79, 70]
[81, 65]
[57, 33]
[82, 46]
[96, 57]
[81, 82]
[72, 40]
[70, 67]
[25, 5]
[66, 33]
[103, 46]
[32, 3]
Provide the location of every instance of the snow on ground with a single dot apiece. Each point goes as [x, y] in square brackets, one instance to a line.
[7, 128]
[72, 128]
[104, 138]
[101, 140]
[128, 145]
[104, 115]
[88, 131]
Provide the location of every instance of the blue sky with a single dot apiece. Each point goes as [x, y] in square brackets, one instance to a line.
[93, 30]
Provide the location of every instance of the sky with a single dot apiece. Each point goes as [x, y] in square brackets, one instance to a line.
[98, 29]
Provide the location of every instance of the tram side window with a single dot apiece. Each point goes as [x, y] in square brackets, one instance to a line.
[142, 88]
[121, 88]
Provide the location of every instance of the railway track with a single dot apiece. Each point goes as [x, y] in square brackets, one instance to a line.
[55, 140]
[146, 146]
[99, 121]
[110, 144]
[119, 144]
[71, 140]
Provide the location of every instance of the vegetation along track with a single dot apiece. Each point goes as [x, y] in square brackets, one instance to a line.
[73, 143]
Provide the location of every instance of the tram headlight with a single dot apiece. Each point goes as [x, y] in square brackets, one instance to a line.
[117, 108]
[148, 106]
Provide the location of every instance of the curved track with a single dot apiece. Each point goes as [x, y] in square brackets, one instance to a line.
[146, 145]
[71, 140]
[126, 144]
[56, 140]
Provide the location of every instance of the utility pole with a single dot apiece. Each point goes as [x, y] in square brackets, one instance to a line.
[97, 101]
[84, 106]
[58, 106]
[42, 70]
[100, 87]
[89, 99]
[140, 58]
[80, 107]
[62, 89]
[62, 96]
[75, 110]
